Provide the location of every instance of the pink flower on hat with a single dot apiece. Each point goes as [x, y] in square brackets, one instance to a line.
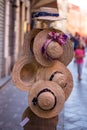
[58, 37]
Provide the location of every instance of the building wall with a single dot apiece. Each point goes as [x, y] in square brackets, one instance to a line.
[14, 13]
[9, 36]
[2, 23]
[79, 24]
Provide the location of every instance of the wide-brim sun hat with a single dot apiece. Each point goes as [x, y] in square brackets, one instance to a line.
[57, 73]
[51, 45]
[46, 99]
[47, 13]
[23, 73]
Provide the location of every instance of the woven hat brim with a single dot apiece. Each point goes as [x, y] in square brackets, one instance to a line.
[40, 39]
[56, 89]
[38, 123]
[45, 74]
[68, 53]
[24, 71]
[50, 18]
[26, 44]
[28, 41]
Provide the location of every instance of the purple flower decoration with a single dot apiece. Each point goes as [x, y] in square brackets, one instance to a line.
[58, 37]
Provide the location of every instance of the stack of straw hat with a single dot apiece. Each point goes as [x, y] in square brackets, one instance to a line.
[42, 70]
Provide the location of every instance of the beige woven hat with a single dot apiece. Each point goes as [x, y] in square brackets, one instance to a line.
[51, 45]
[48, 13]
[57, 73]
[28, 41]
[24, 71]
[46, 99]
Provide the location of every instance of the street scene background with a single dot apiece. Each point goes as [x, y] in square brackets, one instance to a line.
[15, 21]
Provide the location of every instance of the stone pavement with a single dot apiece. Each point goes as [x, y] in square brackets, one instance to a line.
[4, 81]
[13, 102]
[12, 105]
[75, 110]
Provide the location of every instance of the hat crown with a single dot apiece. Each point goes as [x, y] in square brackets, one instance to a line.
[46, 101]
[54, 50]
[59, 77]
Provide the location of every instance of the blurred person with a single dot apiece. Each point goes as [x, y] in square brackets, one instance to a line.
[86, 41]
[82, 41]
[75, 39]
[79, 57]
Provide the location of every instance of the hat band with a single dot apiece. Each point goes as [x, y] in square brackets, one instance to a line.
[53, 36]
[51, 77]
[35, 99]
[58, 37]
[39, 14]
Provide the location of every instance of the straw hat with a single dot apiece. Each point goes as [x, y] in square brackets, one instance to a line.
[47, 13]
[24, 71]
[51, 45]
[46, 99]
[59, 74]
[28, 41]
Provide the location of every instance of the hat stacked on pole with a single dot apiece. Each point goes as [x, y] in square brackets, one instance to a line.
[42, 70]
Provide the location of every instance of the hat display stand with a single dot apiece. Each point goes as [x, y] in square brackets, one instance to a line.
[42, 72]
[37, 123]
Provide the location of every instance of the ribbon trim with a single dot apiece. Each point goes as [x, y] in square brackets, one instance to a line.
[58, 37]
[38, 14]
[35, 99]
[53, 36]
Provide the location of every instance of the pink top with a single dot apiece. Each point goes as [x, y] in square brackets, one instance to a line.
[79, 55]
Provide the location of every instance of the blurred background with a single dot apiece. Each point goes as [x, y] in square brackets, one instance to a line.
[15, 22]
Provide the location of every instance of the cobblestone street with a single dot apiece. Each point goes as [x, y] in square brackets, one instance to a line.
[75, 110]
[12, 104]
